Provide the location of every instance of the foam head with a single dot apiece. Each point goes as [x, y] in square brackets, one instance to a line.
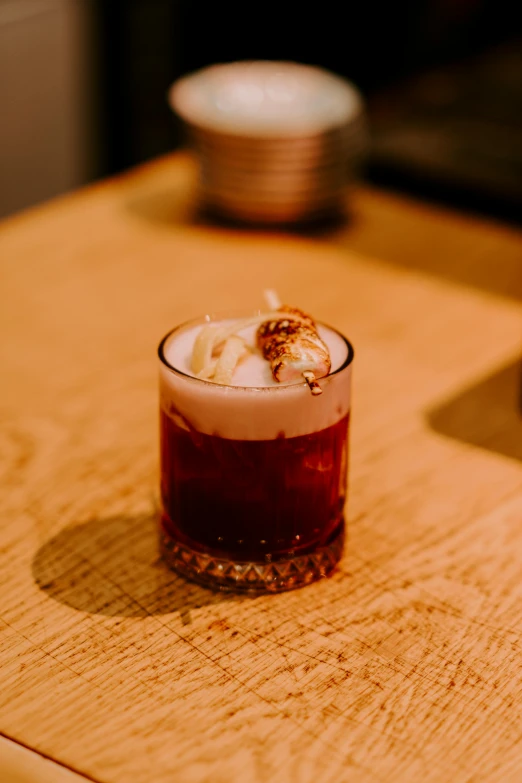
[255, 406]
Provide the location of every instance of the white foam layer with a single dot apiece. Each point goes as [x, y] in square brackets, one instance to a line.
[255, 407]
[254, 370]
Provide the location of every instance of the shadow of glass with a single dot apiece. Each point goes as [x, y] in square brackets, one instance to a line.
[171, 208]
[458, 249]
[487, 414]
[316, 226]
[112, 567]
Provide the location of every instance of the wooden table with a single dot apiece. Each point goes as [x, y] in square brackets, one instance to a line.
[407, 664]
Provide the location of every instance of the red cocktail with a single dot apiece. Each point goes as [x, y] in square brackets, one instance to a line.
[253, 477]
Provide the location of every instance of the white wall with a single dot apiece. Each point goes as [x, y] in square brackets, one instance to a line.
[46, 99]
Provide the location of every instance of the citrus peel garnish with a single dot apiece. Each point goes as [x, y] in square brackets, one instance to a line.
[232, 350]
[203, 347]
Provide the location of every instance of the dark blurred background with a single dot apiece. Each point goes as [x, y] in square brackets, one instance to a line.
[83, 86]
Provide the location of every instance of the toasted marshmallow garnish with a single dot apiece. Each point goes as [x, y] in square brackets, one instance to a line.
[287, 338]
[294, 348]
[214, 342]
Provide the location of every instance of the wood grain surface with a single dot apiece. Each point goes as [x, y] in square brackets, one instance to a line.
[22, 765]
[406, 665]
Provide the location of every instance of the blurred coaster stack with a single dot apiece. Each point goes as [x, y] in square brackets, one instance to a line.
[277, 141]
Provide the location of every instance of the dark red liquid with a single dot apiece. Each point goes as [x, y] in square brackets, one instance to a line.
[245, 499]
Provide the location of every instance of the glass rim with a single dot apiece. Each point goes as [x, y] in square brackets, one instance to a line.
[208, 318]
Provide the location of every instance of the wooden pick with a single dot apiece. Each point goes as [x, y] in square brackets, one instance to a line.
[312, 383]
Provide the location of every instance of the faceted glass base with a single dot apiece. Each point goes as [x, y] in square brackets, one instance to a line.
[272, 577]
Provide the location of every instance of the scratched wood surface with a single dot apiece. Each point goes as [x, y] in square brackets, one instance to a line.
[406, 665]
